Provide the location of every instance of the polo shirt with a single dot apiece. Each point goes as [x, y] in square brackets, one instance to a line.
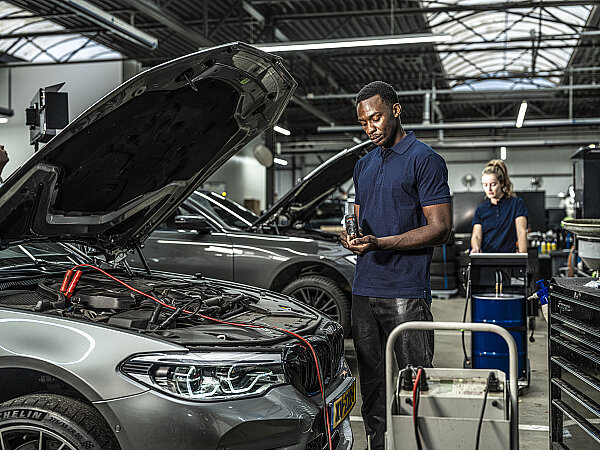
[391, 188]
[498, 224]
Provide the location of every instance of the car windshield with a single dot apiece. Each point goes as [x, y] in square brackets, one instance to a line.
[230, 212]
[36, 253]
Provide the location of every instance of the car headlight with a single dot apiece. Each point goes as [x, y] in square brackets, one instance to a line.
[207, 376]
[351, 258]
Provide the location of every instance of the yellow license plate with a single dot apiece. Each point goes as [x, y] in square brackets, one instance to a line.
[342, 405]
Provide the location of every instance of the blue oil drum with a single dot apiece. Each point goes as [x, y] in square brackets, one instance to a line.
[490, 351]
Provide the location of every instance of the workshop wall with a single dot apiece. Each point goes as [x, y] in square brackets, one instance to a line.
[553, 165]
[85, 83]
[242, 177]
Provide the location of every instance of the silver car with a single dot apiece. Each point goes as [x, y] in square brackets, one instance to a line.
[216, 237]
[94, 354]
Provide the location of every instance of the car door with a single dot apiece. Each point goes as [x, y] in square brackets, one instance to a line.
[208, 252]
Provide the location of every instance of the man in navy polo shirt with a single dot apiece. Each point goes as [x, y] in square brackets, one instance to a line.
[403, 208]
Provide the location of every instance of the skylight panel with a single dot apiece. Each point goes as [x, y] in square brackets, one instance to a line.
[59, 48]
[519, 43]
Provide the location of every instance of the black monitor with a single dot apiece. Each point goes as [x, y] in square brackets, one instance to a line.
[554, 217]
[536, 209]
[464, 205]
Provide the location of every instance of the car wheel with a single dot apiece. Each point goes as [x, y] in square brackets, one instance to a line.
[51, 421]
[323, 294]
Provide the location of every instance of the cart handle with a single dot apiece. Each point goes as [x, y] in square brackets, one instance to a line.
[512, 358]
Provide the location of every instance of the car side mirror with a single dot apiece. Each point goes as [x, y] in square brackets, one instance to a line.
[193, 223]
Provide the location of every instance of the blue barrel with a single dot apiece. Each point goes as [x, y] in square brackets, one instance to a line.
[490, 351]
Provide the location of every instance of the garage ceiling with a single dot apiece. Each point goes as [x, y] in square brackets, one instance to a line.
[500, 53]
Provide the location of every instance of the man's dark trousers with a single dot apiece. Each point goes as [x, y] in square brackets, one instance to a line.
[373, 319]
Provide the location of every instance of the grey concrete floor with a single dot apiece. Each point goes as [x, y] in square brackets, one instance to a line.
[533, 405]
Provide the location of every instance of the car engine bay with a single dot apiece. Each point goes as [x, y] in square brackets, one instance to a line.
[143, 303]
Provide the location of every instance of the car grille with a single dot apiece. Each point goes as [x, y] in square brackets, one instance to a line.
[299, 364]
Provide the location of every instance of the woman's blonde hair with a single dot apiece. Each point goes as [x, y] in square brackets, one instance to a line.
[498, 168]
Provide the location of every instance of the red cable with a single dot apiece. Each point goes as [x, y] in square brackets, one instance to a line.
[417, 379]
[237, 325]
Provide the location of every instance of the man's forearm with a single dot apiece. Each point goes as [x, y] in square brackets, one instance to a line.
[425, 236]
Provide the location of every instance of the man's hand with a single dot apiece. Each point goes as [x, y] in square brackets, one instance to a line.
[363, 244]
[344, 239]
[476, 250]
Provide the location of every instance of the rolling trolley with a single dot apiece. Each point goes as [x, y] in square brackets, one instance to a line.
[497, 293]
[460, 408]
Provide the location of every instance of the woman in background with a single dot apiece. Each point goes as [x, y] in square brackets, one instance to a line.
[499, 224]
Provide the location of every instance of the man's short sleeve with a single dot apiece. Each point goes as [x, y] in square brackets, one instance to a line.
[520, 209]
[355, 179]
[432, 181]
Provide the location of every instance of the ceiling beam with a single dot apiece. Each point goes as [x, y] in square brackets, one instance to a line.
[475, 6]
[279, 35]
[313, 110]
[157, 13]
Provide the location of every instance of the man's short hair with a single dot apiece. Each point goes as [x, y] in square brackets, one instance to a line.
[384, 90]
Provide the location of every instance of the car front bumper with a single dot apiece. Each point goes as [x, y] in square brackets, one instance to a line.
[282, 418]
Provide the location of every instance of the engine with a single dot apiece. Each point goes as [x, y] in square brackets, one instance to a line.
[149, 303]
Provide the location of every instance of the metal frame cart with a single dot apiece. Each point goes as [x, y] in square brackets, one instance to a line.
[450, 414]
[497, 292]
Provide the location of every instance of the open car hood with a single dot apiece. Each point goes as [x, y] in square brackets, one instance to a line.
[300, 202]
[122, 166]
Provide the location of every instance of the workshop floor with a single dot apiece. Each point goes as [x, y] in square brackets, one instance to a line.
[533, 406]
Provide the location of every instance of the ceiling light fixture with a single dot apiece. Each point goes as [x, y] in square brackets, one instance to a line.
[281, 130]
[378, 41]
[521, 115]
[281, 162]
[110, 22]
[3, 119]
[502, 153]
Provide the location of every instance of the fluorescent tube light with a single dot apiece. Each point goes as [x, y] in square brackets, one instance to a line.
[521, 114]
[3, 119]
[281, 162]
[502, 153]
[353, 43]
[110, 22]
[281, 130]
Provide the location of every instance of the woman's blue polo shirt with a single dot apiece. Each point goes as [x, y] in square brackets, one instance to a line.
[498, 224]
[391, 188]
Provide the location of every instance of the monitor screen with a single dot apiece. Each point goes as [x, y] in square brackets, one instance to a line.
[464, 205]
[554, 217]
[536, 209]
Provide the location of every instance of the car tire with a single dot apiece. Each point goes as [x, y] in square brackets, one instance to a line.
[441, 283]
[444, 253]
[323, 294]
[58, 420]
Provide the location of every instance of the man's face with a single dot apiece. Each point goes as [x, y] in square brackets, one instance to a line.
[379, 120]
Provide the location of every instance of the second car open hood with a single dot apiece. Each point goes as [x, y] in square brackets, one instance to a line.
[300, 202]
[126, 163]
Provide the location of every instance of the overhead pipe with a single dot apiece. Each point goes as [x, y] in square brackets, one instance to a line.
[467, 145]
[427, 108]
[472, 125]
[518, 92]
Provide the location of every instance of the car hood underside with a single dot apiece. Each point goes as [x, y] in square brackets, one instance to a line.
[127, 162]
